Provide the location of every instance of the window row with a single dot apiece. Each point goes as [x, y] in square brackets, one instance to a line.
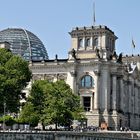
[87, 42]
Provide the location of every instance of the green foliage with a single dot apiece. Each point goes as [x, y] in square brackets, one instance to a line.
[9, 121]
[61, 105]
[14, 75]
[29, 115]
[38, 96]
[54, 103]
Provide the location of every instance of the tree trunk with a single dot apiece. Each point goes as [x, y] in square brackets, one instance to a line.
[43, 126]
[56, 126]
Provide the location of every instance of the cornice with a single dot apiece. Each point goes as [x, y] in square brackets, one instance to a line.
[90, 31]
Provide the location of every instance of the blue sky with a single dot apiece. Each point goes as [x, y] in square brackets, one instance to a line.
[51, 20]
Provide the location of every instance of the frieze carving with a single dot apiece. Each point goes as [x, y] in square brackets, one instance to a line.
[61, 76]
[49, 68]
[38, 76]
[49, 77]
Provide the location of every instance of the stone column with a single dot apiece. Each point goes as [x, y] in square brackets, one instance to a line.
[91, 42]
[91, 103]
[136, 99]
[121, 95]
[133, 98]
[84, 43]
[139, 100]
[129, 98]
[125, 97]
[105, 89]
[72, 81]
[136, 105]
[96, 94]
[114, 90]
[81, 100]
[100, 41]
[139, 105]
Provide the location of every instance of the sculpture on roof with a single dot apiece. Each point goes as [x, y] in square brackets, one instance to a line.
[119, 60]
[73, 53]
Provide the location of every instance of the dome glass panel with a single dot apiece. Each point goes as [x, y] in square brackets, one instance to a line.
[24, 43]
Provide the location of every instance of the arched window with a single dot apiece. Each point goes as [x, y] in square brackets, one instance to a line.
[80, 43]
[87, 81]
[96, 42]
[87, 42]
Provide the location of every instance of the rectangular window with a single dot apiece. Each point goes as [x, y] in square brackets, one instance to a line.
[86, 103]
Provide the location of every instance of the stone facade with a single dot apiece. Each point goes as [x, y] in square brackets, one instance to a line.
[107, 83]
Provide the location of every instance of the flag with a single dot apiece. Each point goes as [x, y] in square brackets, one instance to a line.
[133, 44]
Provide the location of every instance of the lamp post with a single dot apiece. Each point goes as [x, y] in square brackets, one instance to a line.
[4, 107]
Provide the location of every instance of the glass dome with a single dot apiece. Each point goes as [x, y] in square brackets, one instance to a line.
[24, 43]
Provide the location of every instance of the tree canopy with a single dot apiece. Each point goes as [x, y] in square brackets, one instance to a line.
[53, 103]
[14, 75]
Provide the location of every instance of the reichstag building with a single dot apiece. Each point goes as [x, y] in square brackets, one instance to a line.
[108, 83]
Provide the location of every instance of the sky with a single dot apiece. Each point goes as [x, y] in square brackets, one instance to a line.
[52, 20]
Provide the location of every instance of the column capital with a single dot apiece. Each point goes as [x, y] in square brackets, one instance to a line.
[73, 73]
[114, 74]
[96, 72]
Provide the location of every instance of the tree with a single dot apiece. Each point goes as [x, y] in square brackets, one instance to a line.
[14, 75]
[61, 105]
[55, 103]
[9, 121]
[29, 115]
[33, 108]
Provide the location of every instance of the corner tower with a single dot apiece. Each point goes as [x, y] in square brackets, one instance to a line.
[86, 41]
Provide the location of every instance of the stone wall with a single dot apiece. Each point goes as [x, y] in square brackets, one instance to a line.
[69, 136]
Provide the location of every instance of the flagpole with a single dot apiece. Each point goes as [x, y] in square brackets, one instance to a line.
[94, 19]
[133, 45]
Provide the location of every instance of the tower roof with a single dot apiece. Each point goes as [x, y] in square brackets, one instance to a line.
[94, 30]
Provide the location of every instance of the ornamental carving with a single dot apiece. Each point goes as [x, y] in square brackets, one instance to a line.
[38, 77]
[96, 72]
[73, 73]
[49, 77]
[62, 76]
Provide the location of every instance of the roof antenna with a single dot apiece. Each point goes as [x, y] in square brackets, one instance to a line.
[94, 18]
